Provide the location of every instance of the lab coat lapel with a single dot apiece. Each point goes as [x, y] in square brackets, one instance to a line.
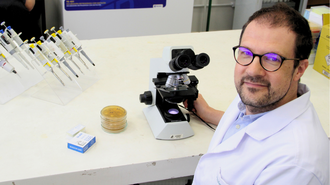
[275, 120]
[225, 122]
[231, 143]
[265, 126]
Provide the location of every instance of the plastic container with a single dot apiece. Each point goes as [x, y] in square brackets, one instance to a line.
[113, 119]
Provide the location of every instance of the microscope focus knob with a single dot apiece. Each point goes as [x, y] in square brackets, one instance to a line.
[146, 98]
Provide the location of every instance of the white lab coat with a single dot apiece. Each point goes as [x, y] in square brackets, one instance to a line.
[285, 146]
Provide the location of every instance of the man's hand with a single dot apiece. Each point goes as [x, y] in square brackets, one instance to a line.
[204, 111]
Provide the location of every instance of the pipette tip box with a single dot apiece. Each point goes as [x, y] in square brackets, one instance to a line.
[81, 142]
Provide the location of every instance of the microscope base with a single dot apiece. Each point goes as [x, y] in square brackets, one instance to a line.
[166, 131]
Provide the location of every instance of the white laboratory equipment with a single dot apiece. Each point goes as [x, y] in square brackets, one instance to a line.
[169, 85]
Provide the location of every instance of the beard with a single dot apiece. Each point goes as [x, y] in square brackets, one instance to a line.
[254, 100]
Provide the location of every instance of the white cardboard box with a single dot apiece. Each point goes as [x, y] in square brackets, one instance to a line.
[81, 142]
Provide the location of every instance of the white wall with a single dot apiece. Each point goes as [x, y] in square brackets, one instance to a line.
[221, 18]
[222, 14]
[175, 17]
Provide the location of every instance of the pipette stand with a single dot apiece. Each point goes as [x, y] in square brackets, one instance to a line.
[12, 85]
[52, 90]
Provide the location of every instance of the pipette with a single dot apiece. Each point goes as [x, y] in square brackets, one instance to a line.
[8, 37]
[76, 42]
[16, 37]
[11, 50]
[50, 56]
[44, 61]
[6, 65]
[68, 44]
[58, 53]
[31, 55]
[60, 44]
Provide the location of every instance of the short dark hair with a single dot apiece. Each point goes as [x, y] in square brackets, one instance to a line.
[281, 15]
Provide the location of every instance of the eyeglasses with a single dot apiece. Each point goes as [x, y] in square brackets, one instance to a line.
[269, 61]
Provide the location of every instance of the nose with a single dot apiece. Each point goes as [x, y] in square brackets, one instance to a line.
[255, 68]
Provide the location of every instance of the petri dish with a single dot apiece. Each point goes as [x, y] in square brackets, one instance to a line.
[113, 119]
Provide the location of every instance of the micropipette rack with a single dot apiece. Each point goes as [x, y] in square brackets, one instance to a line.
[45, 85]
[52, 90]
[12, 85]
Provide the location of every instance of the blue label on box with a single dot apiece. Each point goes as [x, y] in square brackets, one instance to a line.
[75, 148]
[72, 5]
[81, 142]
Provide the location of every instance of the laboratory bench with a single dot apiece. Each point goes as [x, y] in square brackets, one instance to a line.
[33, 133]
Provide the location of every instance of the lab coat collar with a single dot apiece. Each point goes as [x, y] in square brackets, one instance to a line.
[275, 120]
[264, 127]
[232, 142]
[222, 128]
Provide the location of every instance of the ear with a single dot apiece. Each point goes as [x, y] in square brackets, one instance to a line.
[300, 70]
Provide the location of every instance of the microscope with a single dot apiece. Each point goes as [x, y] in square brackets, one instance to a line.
[169, 85]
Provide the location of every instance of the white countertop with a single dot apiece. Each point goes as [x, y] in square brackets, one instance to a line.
[33, 137]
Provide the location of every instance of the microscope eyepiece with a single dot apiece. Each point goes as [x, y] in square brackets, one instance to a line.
[186, 58]
[180, 62]
[201, 60]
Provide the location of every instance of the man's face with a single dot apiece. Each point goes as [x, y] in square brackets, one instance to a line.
[259, 89]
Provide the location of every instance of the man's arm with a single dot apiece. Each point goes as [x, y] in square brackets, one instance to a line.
[29, 4]
[204, 111]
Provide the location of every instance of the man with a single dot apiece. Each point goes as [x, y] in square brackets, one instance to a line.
[271, 133]
[23, 16]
